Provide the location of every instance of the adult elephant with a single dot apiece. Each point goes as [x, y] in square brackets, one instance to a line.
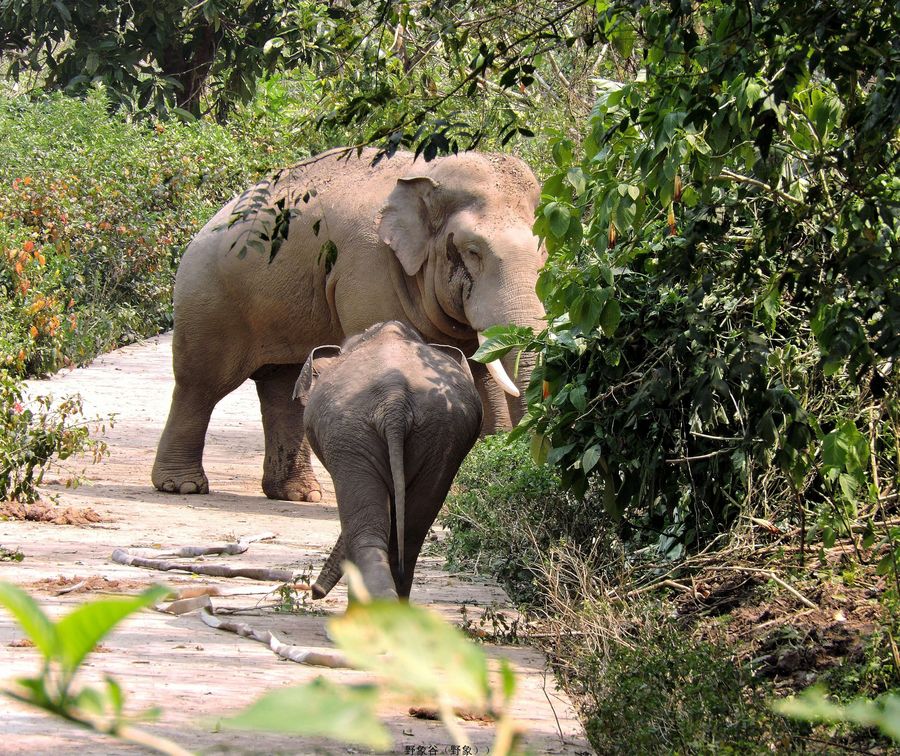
[445, 246]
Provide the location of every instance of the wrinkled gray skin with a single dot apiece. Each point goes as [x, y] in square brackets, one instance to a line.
[445, 246]
[392, 419]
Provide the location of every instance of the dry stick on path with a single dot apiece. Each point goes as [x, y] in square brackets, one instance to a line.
[121, 556]
[193, 598]
[285, 651]
[230, 549]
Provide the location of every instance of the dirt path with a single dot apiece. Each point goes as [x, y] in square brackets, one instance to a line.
[193, 672]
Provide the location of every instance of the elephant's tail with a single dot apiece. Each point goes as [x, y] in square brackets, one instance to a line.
[395, 437]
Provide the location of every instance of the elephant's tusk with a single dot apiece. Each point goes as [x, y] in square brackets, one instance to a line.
[498, 373]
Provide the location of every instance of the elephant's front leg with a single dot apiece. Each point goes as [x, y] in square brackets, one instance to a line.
[287, 469]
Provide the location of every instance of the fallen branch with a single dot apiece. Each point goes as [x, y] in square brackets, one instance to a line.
[120, 556]
[661, 584]
[296, 654]
[229, 549]
[772, 576]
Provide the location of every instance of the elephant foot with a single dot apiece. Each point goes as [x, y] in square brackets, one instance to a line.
[294, 490]
[182, 484]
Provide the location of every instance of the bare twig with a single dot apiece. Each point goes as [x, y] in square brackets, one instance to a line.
[72, 588]
[661, 584]
[736, 177]
[685, 460]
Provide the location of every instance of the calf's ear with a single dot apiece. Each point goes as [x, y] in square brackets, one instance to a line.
[311, 369]
[455, 354]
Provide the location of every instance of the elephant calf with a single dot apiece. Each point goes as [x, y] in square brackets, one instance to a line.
[392, 419]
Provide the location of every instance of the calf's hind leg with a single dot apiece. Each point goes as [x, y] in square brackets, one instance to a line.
[287, 469]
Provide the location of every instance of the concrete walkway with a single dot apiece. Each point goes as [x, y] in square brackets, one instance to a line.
[194, 673]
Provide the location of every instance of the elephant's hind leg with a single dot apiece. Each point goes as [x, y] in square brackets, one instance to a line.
[178, 467]
[287, 470]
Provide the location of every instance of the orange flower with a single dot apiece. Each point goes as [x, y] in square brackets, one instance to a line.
[21, 356]
[26, 180]
[33, 331]
[28, 246]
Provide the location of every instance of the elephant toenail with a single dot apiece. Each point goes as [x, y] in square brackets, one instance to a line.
[188, 487]
[313, 496]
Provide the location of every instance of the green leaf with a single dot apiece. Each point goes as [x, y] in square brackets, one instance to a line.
[625, 212]
[341, 712]
[590, 458]
[689, 196]
[845, 448]
[507, 679]
[623, 40]
[578, 397]
[114, 695]
[610, 317]
[500, 340]
[414, 649]
[36, 625]
[575, 176]
[558, 216]
[813, 706]
[885, 565]
[540, 448]
[84, 627]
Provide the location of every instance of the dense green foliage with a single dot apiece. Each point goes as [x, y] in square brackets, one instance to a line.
[723, 274]
[666, 693]
[154, 57]
[94, 215]
[506, 512]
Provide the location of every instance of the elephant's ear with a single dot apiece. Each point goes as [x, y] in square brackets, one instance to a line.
[455, 354]
[409, 220]
[310, 371]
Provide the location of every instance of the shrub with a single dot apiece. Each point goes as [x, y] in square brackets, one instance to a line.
[663, 692]
[94, 215]
[506, 513]
[33, 433]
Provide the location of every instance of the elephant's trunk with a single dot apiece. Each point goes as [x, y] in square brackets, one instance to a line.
[517, 406]
[332, 571]
[521, 309]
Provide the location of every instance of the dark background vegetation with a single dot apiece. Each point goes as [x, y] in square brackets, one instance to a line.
[715, 412]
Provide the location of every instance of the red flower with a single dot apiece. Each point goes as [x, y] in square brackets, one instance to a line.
[18, 409]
